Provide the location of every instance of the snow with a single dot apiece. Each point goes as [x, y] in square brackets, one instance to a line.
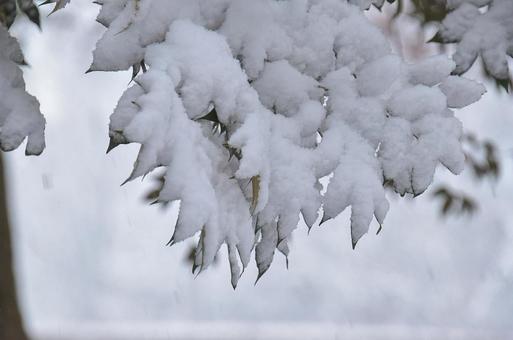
[461, 92]
[93, 263]
[247, 105]
[20, 117]
[416, 102]
[247, 109]
[431, 71]
[488, 33]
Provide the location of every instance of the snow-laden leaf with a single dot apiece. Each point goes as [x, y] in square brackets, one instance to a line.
[488, 33]
[20, 117]
[58, 4]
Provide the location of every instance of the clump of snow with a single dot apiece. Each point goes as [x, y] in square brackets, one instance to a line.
[431, 71]
[248, 104]
[461, 92]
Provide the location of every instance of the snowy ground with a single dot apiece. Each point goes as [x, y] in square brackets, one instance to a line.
[93, 265]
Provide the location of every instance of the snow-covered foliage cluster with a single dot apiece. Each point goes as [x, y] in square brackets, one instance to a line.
[19, 111]
[20, 116]
[477, 28]
[480, 27]
[248, 104]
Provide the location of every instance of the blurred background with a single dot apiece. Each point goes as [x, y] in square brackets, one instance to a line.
[91, 260]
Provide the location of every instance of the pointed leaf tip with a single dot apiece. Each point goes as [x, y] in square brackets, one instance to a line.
[111, 146]
[171, 241]
[353, 243]
[260, 274]
[379, 229]
[199, 271]
[325, 218]
[126, 181]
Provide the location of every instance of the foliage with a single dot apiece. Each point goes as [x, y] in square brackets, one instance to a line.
[260, 113]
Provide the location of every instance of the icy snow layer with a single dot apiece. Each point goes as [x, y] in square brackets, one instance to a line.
[487, 33]
[19, 111]
[248, 104]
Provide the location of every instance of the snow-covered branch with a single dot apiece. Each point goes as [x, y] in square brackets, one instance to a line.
[248, 104]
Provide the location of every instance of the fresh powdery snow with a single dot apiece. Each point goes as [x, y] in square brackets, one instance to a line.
[247, 104]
